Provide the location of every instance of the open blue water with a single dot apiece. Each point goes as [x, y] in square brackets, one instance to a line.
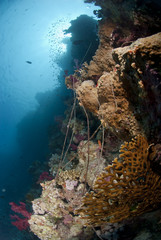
[34, 52]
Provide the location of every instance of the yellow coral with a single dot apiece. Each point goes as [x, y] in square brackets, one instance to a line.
[127, 188]
[68, 174]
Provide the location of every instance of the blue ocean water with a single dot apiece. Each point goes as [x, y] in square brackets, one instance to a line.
[34, 52]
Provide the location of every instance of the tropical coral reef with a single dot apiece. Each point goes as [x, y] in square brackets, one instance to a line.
[127, 188]
[138, 66]
[99, 192]
[88, 153]
[53, 212]
[121, 96]
[54, 216]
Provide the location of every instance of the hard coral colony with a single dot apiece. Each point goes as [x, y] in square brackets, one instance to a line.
[127, 188]
[119, 97]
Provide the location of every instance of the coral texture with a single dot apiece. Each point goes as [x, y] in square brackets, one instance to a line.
[127, 188]
[120, 96]
[87, 95]
[102, 60]
[121, 90]
[95, 165]
[115, 111]
[138, 66]
[135, 16]
[53, 217]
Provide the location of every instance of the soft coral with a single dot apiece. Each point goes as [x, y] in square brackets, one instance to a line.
[20, 223]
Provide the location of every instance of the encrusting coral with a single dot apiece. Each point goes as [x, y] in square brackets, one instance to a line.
[87, 95]
[53, 217]
[127, 188]
[139, 72]
[96, 162]
[115, 111]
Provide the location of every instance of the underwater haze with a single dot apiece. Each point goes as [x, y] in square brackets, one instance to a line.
[34, 52]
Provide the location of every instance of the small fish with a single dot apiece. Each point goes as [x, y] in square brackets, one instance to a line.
[100, 146]
[29, 62]
[99, 143]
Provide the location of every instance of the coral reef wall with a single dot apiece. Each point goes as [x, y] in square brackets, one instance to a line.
[119, 93]
[125, 73]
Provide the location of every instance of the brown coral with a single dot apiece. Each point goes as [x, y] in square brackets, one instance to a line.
[102, 61]
[87, 96]
[139, 72]
[115, 110]
[127, 188]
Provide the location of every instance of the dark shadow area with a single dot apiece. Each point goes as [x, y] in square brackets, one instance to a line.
[32, 131]
[84, 38]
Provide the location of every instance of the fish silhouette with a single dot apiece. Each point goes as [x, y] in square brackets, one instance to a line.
[29, 62]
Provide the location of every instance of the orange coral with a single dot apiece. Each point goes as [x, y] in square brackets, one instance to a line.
[127, 188]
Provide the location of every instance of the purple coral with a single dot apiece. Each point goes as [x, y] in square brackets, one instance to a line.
[73, 147]
[73, 79]
[44, 177]
[80, 137]
[70, 184]
[20, 222]
[67, 219]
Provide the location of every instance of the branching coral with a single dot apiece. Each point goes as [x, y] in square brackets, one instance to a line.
[127, 188]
